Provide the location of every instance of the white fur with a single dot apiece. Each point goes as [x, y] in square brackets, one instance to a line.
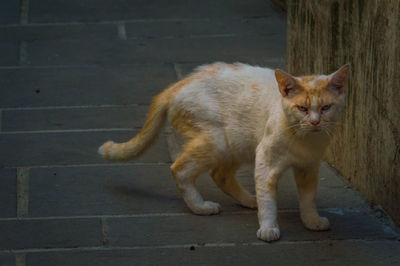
[225, 102]
[185, 181]
[314, 103]
[245, 112]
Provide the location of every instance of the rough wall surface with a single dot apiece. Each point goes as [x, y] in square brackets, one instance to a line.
[322, 36]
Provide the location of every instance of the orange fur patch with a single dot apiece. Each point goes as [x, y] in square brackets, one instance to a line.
[254, 86]
[310, 87]
[184, 123]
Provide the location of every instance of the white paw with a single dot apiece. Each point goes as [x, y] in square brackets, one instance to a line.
[268, 233]
[316, 223]
[207, 208]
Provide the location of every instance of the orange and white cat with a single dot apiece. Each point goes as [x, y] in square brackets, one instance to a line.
[230, 114]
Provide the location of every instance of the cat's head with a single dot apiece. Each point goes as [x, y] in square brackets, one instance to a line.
[312, 104]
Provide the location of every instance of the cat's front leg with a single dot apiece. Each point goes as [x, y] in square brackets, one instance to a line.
[266, 179]
[307, 182]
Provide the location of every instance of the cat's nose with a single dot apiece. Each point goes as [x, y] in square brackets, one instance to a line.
[314, 122]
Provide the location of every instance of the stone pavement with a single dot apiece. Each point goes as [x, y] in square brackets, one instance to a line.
[76, 73]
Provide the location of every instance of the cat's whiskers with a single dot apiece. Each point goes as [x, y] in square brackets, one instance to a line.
[294, 130]
[326, 130]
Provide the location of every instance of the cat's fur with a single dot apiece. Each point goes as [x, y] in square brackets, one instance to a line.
[229, 114]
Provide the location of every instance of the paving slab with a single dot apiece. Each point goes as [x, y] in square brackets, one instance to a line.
[66, 233]
[226, 48]
[65, 148]
[85, 85]
[263, 26]
[7, 260]
[96, 10]
[74, 118]
[31, 32]
[355, 253]
[9, 12]
[147, 189]
[9, 53]
[188, 229]
[103, 190]
[8, 193]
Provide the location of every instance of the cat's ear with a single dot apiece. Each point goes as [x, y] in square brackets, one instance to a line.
[286, 82]
[337, 80]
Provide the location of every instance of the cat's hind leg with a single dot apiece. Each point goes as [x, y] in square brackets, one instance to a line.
[197, 157]
[224, 177]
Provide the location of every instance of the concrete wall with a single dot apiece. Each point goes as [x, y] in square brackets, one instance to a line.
[323, 35]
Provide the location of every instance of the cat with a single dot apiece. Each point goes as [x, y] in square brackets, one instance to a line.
[229, 114]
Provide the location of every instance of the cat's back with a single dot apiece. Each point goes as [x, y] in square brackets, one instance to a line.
[236, 78]
[220, 86]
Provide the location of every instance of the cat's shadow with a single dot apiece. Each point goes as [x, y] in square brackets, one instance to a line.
[127, 192]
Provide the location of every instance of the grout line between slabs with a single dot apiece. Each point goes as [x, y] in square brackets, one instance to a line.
[23, 53]
[265, 61]
[122, 31]
[61, 107]
[25, 11]
[22, 192]
[195, 245]
[24, 14]
[20, 259]
[67, 131]
[104, 231]
[91, 165]
[178, 71]
[148, 215]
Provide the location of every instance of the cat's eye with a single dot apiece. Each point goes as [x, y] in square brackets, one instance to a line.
[326, 107]
[302, 108]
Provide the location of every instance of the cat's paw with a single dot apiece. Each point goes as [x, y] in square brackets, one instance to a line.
[316, 223]
[207, 208]
[269, 234]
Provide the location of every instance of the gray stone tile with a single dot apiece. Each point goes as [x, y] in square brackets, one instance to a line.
[32, 149]
[7, 260]
[58, 32]
[332, 192]
[254, 48]
[150, 231]
[20, 234]
[103, 190]
[9, 53]
[205, 27]
[135, 189]
[118, 189]
[74, 118]
[8, 192]
[95, 10]
[326, 253]
[89, 85]
[9, 12]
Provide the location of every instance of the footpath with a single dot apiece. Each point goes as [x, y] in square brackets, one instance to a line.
[74, 74]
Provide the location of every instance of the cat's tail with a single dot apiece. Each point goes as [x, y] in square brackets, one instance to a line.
[137, 145]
